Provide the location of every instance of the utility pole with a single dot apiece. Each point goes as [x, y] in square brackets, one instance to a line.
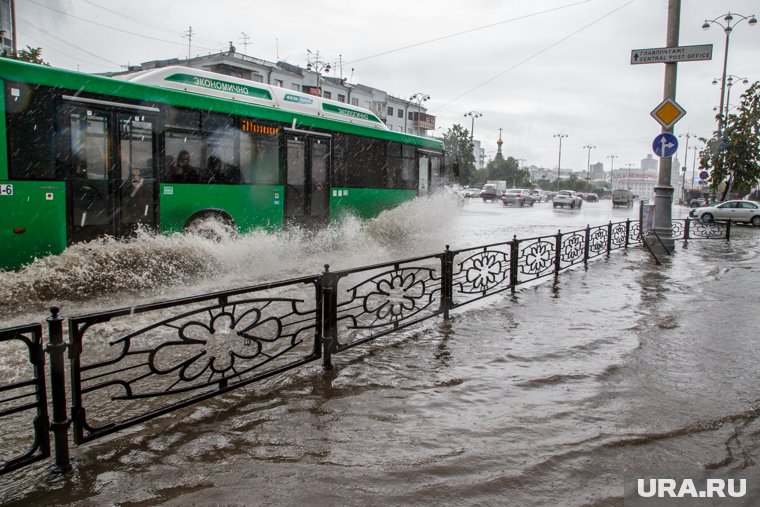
[189, 36]
[663, 191]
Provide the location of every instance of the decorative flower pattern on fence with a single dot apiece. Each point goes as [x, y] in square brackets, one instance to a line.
[483, 271]
[390, 298]
[572, 247]
[536, 258]
[597, 242]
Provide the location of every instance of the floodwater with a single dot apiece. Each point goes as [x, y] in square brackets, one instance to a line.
[545, 397]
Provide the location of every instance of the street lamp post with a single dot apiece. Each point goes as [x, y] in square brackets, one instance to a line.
[419, 98]
[729, 84]
[728, 27]
[559, 162]
[314, 64]
[612, 166]
[629, 175]
[588, 163]
[687, 135]
[473, 115]
[693, 166]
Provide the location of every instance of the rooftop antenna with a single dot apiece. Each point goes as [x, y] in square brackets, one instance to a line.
[245, 42]
[340, 65]
[189, 36]
[351, 79]
[277, 47]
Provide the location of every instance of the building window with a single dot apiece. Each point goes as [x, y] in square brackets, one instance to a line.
[278, 82]
[400, 113]
[341, 97]
[409, 116]
[258, 78]
[354, 102]
[327, 95]
[390, 111]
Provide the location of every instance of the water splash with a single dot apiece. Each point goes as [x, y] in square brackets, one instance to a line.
[147, 266]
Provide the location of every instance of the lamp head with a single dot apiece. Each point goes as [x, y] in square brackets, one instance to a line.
[752, 21]
[706, 26]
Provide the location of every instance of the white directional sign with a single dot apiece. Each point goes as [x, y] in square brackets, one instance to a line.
[672, 55]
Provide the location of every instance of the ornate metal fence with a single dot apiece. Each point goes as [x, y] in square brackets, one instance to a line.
[130, 365]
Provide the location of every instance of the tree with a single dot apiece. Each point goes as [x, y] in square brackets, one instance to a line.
[733, 156]
[457, 142]
[508, 170]
[30, 54]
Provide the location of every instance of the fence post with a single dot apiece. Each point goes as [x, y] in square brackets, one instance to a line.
[558, 257]
[609, 238]
[628, 231]
[586, 246]
[60, 424]
[329, 316]
[447, 281]
[686, 229]
[514, 252]
[728, 231]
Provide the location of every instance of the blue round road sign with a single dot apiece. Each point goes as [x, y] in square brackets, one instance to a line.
[665, 145]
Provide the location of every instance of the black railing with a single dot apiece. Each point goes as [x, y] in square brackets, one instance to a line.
[130, 365]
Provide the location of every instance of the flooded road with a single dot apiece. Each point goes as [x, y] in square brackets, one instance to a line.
[542, 398]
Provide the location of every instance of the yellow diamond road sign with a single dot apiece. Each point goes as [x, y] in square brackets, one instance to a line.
[668, 113]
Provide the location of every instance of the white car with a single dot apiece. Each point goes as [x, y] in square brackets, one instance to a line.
[735, 211]
[567, 198]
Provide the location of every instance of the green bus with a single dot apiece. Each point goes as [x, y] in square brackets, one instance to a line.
[84, 156]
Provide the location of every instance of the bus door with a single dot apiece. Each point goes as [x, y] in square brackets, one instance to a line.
[423, 183]
[109, 157]
[307, 185]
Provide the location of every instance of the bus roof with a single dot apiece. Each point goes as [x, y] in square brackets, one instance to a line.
[220, 93]
[243, 90]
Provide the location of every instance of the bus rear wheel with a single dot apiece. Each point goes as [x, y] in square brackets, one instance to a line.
[214, 225]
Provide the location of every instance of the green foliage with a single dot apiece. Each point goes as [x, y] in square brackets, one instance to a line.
[734, 156]
[508, 170]
[30, 54]
[457, 141]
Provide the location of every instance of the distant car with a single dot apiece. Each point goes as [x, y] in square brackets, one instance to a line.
[592, 197]
[539, 195]
[735, 211]
[471, 192]
[567, 198]
[490, 192]
[697, 202]
[550, 195]
[517, 197]
[622, 197]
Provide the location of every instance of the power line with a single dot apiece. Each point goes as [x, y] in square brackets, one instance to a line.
[142, 21]
[111, 27]
[417, 44]
[50, 34]
[534, 55]
[36, 42]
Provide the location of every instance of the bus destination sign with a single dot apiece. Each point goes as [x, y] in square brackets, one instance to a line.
[672, 55]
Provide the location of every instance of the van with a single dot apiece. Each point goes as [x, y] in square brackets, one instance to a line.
[622, 198]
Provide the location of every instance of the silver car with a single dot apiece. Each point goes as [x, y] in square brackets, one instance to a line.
[517, 197]
[735, 211]
[567, 198]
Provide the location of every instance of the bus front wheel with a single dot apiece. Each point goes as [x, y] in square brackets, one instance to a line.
[211, 224]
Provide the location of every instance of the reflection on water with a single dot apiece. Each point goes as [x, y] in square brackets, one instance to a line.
[542, 398]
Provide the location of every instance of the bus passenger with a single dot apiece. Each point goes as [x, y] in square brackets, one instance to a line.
[215, 171]
[183, 172]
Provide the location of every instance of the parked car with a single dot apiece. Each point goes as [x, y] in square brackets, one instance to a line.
[592, 197]
[490, 192]
[517, 197]
[735, 211]
[567, 198]
[622, 197]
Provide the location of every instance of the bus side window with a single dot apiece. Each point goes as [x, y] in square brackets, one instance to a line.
[30, 132]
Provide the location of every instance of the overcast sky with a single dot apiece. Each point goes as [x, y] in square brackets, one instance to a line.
[533, 69]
